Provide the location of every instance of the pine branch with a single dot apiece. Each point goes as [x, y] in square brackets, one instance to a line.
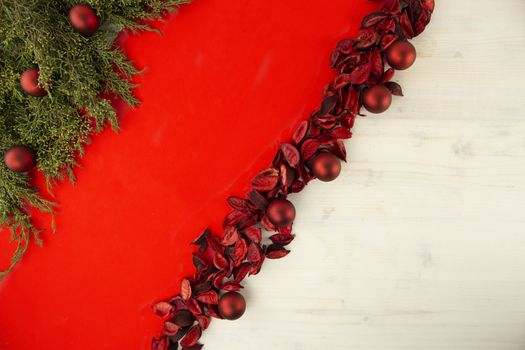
[82, 70]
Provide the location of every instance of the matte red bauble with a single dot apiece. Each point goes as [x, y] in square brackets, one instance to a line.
[29, 83]
[377, 99]
[326, 166]
[281, 212]
[20, 159]
[84, 19]
[401, 55]
[232, 306]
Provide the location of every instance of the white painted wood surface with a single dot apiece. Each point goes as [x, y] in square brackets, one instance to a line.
[420, 244]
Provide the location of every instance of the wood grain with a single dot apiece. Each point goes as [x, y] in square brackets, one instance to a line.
[420, 244]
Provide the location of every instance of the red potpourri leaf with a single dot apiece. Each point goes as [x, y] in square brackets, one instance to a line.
[387, 26]
[309, 148]
[213, 311]
[391, 6]
[231, 286]
[377, 63]
[328, 104]
[361, 73]
[217, 281]
[241, 272]
[231, 235]
[254, 254]
[339, 150]
[394, 88]
[428, 5]
[387, 41]
[194, 307]
[253, 233]
[239, 250]
[209, 297]
[238, 203]
[170, 328]
[373, 19]
[367, 38]
[199, 262]
[267, 224]
[406, 26]
[282, 239]
[214, 242]
[341, 133]
[192, 337]
[185, 290]
[387, 76]
[297, 186]
[300, 132]
[276, 251]
[220, 262]
[163, 309]
[204, 321]
[258, 200]
[266, 180]
[290, 154]
[194, 347]
[159, 344]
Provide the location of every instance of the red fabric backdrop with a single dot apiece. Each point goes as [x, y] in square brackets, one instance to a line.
[223, 85]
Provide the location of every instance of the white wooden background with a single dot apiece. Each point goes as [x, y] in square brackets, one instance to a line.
[420, 244]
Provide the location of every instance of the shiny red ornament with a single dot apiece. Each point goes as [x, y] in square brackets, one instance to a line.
[401, 55]
[281, 212]
[29, 83]
[326, 166]
[232, 306]
[84, 19]
[377, 99]
[20, 159]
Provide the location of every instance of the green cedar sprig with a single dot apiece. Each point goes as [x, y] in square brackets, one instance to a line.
[76, 71]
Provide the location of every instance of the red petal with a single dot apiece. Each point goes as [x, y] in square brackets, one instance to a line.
[209, 297]
[192, 337]
[185, 290]
[290, 154]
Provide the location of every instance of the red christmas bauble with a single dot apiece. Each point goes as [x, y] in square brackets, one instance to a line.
[281, 212]
[84, 19]
[401, 55]
[377, 99]
[29, 83]
[326, 166]
[20, 159]
[232, 305]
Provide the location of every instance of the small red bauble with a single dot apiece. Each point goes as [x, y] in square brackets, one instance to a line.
[29, 83]
[326, 166]
[232, 306]
[84, 19]
[401, 55]
[20, 159]
[377, 99]
[281, 212]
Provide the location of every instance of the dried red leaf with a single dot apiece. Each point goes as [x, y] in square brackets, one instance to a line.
[170, 328]
[192, 337]
[373, 19]
[238, 203]
[160, 344]
[239, 250]
[367, 38]
[406, 26]
[341, 133]
[254, 253]
[194, 307]
[213, 311]
[387, 76]
[361, 73]
[282, 239]
[376, 61]
[231, 286]
[300, 132]
[231, 235]
[163, 309]
[253, 233]
[204, 321]
[387, 41]
[194, 347]
[209, 297]
[309, 148]
[217, 281]
[291, 154]
[266, 180]
[394, 88]
[185, 290]
[428, 5]
[241, 271]
[276, 251]
[220, 262]
[258, 200]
